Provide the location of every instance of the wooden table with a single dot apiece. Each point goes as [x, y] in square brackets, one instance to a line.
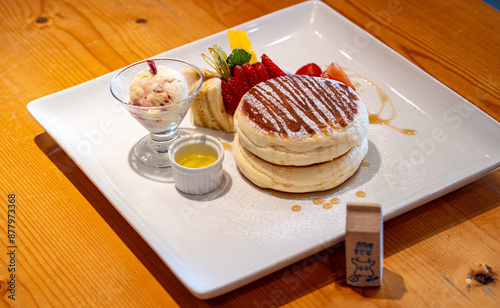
[74, 248]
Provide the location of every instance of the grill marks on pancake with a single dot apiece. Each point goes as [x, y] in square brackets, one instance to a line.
[297, 106]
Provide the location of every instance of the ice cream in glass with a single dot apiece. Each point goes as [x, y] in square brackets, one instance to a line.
[158, 94]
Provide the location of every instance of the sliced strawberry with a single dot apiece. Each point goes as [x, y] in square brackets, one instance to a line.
[239, 74]
[229, 98]
[237, 87]
[250, 75]
[272, 69]
[260, 71]
[334, 71]
[311, 69]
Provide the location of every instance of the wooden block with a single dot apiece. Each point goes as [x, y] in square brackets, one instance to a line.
[364, 245]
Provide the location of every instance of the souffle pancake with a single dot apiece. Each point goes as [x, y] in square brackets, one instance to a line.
[300, 120]
[300, 133]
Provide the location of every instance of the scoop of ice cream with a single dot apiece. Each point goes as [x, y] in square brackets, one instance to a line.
[164, 88]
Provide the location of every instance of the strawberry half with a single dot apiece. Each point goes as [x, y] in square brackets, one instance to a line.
[228, 97]
[260, 71]
[311, 69]
[237, 87]
[245, 77]
[239, 74]
[250, 75]
[335, 72]
[272, 69]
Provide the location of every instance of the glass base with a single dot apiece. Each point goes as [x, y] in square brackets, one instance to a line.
[153, 153]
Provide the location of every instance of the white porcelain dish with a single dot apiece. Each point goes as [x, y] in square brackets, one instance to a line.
[197, 181]
[218, 242]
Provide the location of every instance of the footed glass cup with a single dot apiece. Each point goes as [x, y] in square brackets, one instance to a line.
[161, 121]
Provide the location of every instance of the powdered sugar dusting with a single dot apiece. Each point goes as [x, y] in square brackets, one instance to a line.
[277, 102]
[304, 100]
[299, 107]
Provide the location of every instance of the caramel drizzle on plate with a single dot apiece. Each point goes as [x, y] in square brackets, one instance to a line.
[375, 118]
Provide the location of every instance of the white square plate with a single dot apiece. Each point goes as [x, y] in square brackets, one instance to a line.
[219, 242]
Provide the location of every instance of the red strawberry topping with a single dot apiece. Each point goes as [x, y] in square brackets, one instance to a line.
[311, 69]
[250, 75]
[272, 69]
[260, 71]
[245, 77]
[335, 71]
[239, 74]
[228, 97]
[237, 87]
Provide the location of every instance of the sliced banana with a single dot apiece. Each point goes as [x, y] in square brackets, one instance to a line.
[208, 74]
[208, 108]
[191, 76]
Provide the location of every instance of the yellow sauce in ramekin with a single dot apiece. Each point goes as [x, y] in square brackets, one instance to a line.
[196, 160]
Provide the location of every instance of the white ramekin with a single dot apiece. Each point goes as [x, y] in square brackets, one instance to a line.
[197, 181]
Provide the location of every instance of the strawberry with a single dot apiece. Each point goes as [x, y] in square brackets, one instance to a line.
[272, 69]
[228, 97]
[237, 87]
[260, 71]
[239, 74]
[335, 72]
[250, 75]
[238, 91]
[245, 77]
[311, 69]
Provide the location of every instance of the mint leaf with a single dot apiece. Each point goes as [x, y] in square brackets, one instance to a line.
[238, 57]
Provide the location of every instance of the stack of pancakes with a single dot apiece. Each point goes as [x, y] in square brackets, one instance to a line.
[300, 134]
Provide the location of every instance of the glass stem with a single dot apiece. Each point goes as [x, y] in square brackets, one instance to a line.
[161, 142]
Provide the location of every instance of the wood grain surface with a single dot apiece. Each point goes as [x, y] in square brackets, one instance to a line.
[74, 249]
